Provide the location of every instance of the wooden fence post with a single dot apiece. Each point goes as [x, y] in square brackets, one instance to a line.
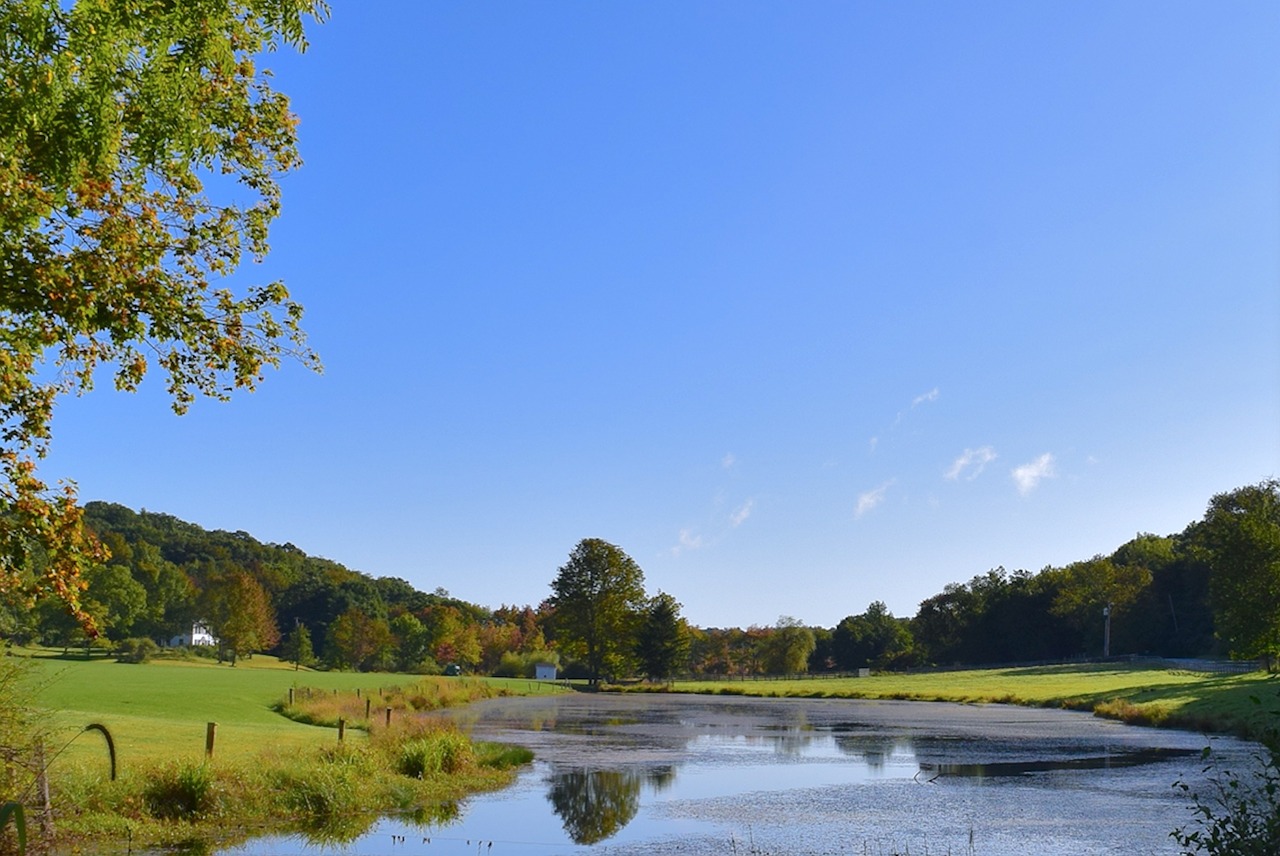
[290, 696]
[210, 731]
[342, 729]
[368, 704]
[42, 784]
[388, 717]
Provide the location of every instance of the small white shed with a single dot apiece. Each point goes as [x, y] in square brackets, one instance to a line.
[544, 671]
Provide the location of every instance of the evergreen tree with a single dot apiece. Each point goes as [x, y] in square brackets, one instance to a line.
[297, 648]
[662, 644]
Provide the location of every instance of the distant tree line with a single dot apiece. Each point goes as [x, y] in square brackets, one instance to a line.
[165, 575]
[1212, 589]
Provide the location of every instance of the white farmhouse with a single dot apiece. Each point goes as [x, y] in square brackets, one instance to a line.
[199, 635]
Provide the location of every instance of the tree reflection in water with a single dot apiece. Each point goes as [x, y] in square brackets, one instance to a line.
[595, 804]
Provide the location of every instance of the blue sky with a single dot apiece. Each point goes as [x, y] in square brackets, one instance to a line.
[803, 305]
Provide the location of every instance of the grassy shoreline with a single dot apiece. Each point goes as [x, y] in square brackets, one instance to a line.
[280, 768]
[1135, 694]
[269, 772]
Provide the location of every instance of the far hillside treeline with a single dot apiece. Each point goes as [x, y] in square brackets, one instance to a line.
[1211, 590]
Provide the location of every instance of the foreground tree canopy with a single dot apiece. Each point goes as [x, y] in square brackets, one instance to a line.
[140, 147]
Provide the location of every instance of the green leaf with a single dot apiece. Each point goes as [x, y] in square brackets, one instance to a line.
[14, 810]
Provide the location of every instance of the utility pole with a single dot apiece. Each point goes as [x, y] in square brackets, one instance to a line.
[1106, 631]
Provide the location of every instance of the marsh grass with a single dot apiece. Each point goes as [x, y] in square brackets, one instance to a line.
[331, 793]
[443, 752]
[181, 790]
[317, 706]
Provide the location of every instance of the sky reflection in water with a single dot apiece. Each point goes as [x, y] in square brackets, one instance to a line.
[711, 777]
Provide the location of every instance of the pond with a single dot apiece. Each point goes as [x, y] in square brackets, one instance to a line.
[729, 775]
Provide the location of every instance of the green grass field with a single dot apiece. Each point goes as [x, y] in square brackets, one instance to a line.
[158, 711]
[268, 771]
[1136, 694]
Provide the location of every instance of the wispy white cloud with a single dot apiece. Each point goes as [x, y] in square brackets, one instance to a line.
[688, 540]
[1028, 476]
[742, 512]
[872, 498]
[971, 463]
[875, 441]
[923, 398]
[931, 395]
[729, 461]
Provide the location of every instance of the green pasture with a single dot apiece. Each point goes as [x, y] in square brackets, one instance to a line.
[158, 710]
[1240, 704]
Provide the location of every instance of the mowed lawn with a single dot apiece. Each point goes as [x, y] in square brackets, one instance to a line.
[158, 711]
[1138, 694]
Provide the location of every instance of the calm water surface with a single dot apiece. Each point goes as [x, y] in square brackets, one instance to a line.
[701, 775]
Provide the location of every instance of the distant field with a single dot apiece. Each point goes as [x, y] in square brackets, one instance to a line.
[1140, 695]
[158, 710]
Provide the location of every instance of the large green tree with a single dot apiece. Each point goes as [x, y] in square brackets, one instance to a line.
[598, 595]
[1092, 593]
[873, 639]
[140, 150]
[1240, 534]
[358, 641]
[786, 650]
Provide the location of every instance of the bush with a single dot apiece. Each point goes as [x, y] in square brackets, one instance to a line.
[180, 791]
[432, 754]
[1240, 816]
[511, 665]
[136, 650]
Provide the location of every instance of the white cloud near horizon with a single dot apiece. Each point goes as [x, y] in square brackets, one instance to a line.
[1029, 475]
[741, 513]
[729, 461]
[973, 461]
[872, 498]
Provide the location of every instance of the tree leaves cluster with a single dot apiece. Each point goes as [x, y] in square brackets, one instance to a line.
[140, 150]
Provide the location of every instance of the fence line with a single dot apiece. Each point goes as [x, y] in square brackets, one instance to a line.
[1221, 667]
